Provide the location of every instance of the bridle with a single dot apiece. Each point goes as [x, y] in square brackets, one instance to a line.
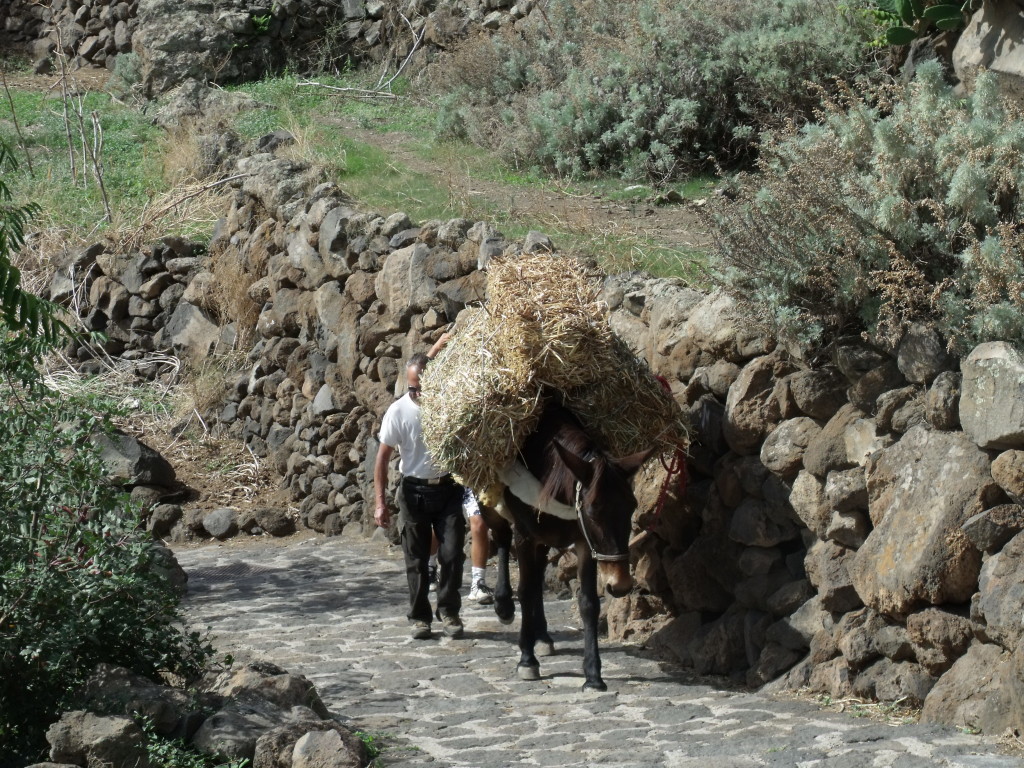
[586, 534]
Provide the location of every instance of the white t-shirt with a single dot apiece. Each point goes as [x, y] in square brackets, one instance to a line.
[401, 429]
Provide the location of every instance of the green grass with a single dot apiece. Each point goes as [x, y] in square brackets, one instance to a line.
[379, 180]
[131, 159]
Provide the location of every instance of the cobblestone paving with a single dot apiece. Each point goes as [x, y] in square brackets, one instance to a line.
[334, 611]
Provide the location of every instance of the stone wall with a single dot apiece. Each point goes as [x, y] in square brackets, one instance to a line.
[854, 527]
[237, 40]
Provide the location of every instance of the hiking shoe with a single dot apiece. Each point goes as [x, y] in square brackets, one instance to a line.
[452, 626]
[421, 630]
[481, 594]
[432, 577]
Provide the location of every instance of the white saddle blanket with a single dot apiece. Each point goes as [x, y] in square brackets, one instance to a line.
[518, 479]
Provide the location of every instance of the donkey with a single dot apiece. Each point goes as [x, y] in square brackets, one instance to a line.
[565, 492]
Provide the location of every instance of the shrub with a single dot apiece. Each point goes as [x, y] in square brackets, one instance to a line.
[78, 585]
[646, 89]
[901, 205]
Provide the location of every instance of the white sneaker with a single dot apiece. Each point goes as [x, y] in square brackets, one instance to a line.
[481, 593]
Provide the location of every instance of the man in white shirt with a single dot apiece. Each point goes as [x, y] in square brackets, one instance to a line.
[429, 500]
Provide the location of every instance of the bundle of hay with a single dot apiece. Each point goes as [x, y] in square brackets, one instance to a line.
[543, 334]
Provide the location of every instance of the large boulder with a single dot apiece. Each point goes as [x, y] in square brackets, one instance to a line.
[751, 410]
[1001, 594]
[129, 461]
[992, 398]
[96, 741]
[992, 41]
[921, 491]
[403, 284]
[971, 692]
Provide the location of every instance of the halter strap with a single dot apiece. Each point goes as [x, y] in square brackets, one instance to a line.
[586, 534]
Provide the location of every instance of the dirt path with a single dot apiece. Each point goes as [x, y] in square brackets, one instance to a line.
[665, 223]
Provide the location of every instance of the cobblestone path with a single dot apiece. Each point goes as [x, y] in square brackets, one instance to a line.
[334, 611]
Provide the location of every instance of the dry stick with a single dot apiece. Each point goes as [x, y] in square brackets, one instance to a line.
[62, 62]
[17, 125]
[97, 162]
[382, 91]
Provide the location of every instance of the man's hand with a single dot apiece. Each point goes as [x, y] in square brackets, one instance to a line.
[382, 516]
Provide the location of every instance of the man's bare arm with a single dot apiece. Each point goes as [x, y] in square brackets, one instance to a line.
[381, 514]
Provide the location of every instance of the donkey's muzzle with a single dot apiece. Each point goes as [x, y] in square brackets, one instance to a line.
[617, 579]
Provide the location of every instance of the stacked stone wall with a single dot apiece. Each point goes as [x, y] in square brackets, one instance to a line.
[852, 527]
[228, 41]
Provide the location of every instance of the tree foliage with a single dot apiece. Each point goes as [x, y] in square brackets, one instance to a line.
[19, 309]
[80, 583]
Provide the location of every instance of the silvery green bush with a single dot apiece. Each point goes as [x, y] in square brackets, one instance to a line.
[900, 205]
[648, 89]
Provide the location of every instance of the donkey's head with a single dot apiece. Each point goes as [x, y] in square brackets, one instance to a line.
[605, 504]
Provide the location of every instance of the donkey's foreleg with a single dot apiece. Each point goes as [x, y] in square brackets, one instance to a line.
[590, 609]
[532, 560]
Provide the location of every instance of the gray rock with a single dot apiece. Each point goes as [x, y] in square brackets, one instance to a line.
[453, 232]
[865, 392]
[827, 451]
[221, 523]
[917, 552]
[795, 631]
[989, 42]
[324, 749]
[231, 732]
[130, 462]
[991, 529]
[939, 638]
[887, 680]
[403, 284]
[847, 490]
[96, 741]
[1008, 471]
[862, 439]
[750, 409]
[274, 520]
[810, 503]
[942, 401]
[888, 403]
[783, 450]
[264, 680]
[964, 694]
[848, 529]
[922, 354]
[992, 398]
[1001, 594]
[191, 332]
[827, 566]
[754, 525]
[818, 393]
[162, 518]
[537, 242]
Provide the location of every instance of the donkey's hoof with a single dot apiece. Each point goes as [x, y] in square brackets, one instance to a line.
[528, 672]
[505, 610]
[592, 685]
[544, 648]
[506, 619]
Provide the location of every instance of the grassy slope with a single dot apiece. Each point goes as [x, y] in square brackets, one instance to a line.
[135, 155]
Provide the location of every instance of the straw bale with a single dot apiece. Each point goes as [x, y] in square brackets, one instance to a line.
[479, 400]
[544, 334]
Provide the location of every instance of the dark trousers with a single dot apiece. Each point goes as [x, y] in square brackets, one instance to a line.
[425, 509]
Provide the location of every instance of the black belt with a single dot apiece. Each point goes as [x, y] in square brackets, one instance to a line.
[428, 480]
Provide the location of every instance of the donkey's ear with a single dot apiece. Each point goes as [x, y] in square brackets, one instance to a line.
[630, 464]
[581, 469]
